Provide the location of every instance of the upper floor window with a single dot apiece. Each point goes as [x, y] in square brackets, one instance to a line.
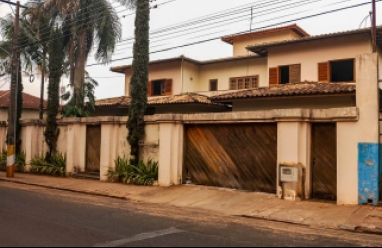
[213, 85]
[162, 87]
[285, 74]
[337, 71]
[244, 82]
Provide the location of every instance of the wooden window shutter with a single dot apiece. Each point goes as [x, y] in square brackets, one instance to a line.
[149, 88]
[273, 76]
[168, 87]
[323, 72]
[295, 74]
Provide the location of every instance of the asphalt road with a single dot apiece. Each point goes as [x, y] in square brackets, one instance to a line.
[33, 216]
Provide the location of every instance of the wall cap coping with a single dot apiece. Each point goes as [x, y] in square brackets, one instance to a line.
[276, 115]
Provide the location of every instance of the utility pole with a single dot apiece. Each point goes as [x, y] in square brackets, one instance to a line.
[11, 139]
[250, 25]
[374, 27]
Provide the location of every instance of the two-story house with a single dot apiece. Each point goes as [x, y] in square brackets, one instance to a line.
[297, 104]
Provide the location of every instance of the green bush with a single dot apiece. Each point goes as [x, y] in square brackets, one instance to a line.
[55, 166]
[3, 160]
[125, 172]
[20, 161]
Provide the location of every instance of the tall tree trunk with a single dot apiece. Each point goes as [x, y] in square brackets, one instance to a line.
[72, 62]
[56, 59]
[79, 71]
[139, 79]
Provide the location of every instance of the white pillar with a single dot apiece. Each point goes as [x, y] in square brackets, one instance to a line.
[31, 144]
[293, 149]
[347, 163]
[352, 182]
[109, 144]
[368, 128]
[76, 147]
[170, 153]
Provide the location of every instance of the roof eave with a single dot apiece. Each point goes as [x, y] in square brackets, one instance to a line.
[254, 98]
[257, 48]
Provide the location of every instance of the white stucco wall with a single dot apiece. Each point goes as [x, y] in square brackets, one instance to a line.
[62, 141]
[290, 103]
[27, 114]
[310, 53]
[365, 130]
[166, 70]
[347, 163]
[239, 68]
[190, 77]
[150, 149]
[293, 148]
[240, 44]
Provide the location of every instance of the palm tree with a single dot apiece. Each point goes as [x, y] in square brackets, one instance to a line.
[26, 38]
[85, 23]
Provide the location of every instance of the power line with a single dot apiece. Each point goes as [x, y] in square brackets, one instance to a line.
[264, 27]
[260, 6]
[12, 3]
[239, 20]
[275, 24]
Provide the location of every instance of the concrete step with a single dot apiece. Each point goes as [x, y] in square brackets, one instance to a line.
[87, 175]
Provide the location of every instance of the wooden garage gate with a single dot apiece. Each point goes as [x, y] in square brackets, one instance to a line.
[324, 164]
[240, 156]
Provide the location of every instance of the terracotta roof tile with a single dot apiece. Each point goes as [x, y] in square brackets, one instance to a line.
[114, 101]
[182, 99]
[299, 89]
[29, 101]
[165, 100]
[294, 27]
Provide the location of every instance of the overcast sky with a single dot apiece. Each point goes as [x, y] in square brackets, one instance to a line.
[171, 27]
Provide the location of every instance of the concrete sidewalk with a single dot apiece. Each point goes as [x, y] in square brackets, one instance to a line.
[224, 201]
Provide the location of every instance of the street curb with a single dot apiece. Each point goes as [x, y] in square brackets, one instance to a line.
[343, 227]
[65, 189]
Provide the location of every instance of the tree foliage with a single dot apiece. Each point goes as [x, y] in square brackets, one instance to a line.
[56, 59]
[86, 24]
[139, 79]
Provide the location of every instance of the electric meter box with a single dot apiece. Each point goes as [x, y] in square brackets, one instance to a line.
[288, 174]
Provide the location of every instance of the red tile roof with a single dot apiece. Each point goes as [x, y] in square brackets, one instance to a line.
[29, 101]
[294, 27]
[291, 90]
[184, 98]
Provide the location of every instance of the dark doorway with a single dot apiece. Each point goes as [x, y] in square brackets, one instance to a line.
[324, 161]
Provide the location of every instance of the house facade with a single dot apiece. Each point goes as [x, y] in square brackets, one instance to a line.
[31, 106]
[301, 118]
